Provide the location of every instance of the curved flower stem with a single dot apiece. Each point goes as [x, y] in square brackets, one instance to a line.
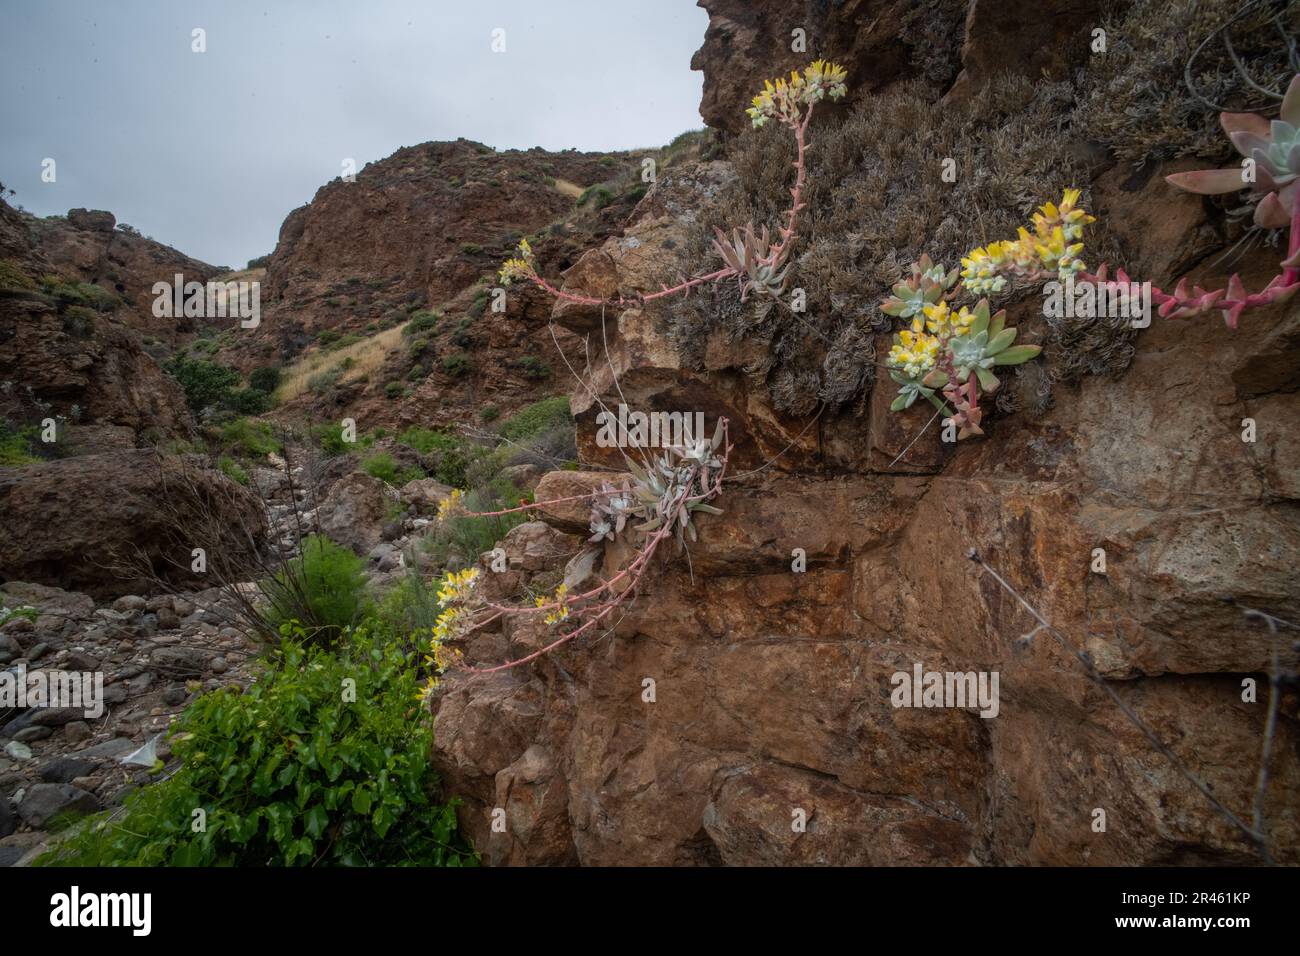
[623, 301]
[535, 505]
[780, 250]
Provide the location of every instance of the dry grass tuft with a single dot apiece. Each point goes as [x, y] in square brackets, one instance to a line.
[367, 356]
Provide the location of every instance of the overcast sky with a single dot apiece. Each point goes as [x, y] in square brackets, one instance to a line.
[209, 151]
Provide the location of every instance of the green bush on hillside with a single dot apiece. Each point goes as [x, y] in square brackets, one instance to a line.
[383, 467]
[206, 384]
[422, 321]
[533, 419]
[232, 469]
[454, 454]
[458, 365]
[16, 445]
[266, 379]
[466, 537]
[249, 438]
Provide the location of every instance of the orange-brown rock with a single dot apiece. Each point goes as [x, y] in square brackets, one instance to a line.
[740, 712]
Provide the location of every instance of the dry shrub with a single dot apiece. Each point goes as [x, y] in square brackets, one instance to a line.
[1133, 98]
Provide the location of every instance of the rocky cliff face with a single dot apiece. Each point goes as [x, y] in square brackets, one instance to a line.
[881, 41]
[86, 365]
[740, 695]
[88, 245]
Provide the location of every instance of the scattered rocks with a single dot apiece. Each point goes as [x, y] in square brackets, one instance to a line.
[129, 603]
[29, 734]
[44, 801]
[66, 769]
[179, 661]
[76, 731]
[17, 750]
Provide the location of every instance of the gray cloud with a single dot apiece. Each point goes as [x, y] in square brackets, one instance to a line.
[208, 152]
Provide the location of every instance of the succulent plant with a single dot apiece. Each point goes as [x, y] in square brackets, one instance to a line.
[910, 390]
[610, 510]
[666, 490]
[751, 255]
[988, 343]
[927, 284]
[1274, 149]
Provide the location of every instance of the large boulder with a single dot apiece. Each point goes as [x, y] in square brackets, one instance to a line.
[110, 524]
[355, 511]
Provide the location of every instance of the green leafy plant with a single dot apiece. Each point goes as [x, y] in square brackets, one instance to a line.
[317, 763]
[466, 536]
[330, 439]
[421, 322]
[460, 336]
[533, 367]
[265, 379]
[599, 196]
[249, 438]
[321, 592]
[478, 306]
[232, 469]
[532, 420]
[452, 454]
[207, 385]
[16, 445]
[383, 467]
[458, 365]
[13, 278]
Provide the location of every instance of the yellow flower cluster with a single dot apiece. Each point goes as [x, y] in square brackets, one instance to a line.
[1054, 246]
[452, 620]
[520, 267]
[440, 659]
[914, 352]
[1070, 217]
[450, 505]
[456, 586]
[942, 321]
[782, 99]
[556, 615]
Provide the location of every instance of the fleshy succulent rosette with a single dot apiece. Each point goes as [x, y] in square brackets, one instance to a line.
[1274, 150]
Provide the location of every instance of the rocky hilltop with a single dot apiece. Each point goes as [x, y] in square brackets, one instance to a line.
[74, 300]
